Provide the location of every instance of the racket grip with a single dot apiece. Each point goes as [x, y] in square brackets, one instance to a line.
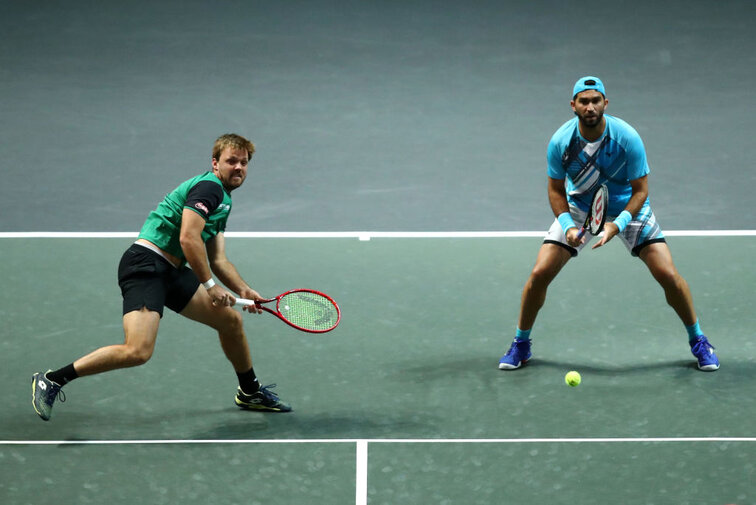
[244, 302]
[580, 235]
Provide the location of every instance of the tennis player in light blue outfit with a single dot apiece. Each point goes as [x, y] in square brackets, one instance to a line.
[587, 151]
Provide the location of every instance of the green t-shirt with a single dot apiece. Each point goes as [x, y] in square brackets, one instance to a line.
[205, 195]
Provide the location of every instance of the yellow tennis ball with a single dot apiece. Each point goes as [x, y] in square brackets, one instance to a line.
[572, 378]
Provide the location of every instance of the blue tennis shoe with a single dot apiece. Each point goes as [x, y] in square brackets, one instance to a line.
[704, 352]
[518, 355]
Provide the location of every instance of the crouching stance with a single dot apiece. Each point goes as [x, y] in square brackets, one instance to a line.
[587, 151]
[185, 230]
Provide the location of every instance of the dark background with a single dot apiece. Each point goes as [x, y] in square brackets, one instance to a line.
[378, 116]
[395, 115]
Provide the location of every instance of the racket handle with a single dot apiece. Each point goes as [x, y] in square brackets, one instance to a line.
[580, 235]
[244, 302]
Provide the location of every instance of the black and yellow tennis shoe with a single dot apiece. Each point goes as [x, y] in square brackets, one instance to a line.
[44, 393]
[264, 400]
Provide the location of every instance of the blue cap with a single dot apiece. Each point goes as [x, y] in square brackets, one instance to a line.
[586, 83]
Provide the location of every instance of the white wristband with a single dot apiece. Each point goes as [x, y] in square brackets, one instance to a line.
[209, 284]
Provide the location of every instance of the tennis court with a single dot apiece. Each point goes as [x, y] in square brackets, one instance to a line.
[411, 370]
[400, 168]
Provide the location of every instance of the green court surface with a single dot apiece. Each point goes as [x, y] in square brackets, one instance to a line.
[411, 370]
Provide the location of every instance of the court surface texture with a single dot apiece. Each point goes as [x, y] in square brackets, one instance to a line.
[411, 373]
[400, 168]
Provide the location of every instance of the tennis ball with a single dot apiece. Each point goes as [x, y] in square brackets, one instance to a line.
[572, 378]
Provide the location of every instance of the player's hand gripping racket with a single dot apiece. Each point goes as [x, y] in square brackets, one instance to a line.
[303, 309]
[594, 221]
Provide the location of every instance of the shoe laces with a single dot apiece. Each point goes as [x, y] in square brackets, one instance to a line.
[702, 347]
[266, 391]
[56, 393]
[517, 347]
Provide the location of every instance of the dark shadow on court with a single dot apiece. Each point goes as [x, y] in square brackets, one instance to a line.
[613, 369]
[485, 365]
[478, 366]
[303, 425]
[734, 371]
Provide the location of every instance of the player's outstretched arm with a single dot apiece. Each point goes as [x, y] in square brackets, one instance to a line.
[196, 255]
[227, 272]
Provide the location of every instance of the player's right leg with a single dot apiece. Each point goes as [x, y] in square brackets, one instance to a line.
[140, 329]
[549, 262]
[141, 278]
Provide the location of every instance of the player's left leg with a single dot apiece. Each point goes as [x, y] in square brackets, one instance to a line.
[658, 259]
[227, 322]
[230, 327]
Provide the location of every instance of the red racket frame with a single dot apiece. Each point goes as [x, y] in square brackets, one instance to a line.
[277, 311]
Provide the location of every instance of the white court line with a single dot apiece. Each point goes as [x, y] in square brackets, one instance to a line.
[382, 441]
[364, 235]
[361, 479]
[361, 452]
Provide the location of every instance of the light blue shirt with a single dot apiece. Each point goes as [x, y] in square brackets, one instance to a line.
[615, 159]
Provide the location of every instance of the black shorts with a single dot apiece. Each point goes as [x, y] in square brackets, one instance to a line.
[149, 280]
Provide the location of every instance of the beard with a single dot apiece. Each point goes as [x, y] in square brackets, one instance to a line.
[590, 121]
[232, 181]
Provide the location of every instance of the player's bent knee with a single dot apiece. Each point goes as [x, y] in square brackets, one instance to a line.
[136, 356]
[541, 276]
[668, 277]
[231, 321]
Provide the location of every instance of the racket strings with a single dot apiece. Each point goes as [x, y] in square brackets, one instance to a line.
[599, 207]
[309, 310]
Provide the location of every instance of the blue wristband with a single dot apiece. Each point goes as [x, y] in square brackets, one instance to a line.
[565, 219]
[622, 220]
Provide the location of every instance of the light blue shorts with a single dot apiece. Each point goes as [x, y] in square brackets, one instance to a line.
[640, 232]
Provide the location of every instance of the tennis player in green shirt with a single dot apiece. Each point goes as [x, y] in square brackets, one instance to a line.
[185, 230]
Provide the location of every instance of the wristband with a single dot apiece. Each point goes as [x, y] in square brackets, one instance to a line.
[209, 283]
[565, 219]
[622, 220]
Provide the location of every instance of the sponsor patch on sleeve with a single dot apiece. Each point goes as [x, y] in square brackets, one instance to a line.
[201, 206]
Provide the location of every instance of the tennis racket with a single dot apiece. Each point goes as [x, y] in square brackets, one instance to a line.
[594, 221]
[303, 309]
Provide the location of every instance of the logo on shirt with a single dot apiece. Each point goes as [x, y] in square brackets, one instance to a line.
[201, 206]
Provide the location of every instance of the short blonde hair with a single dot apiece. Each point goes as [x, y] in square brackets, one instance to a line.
[234, 141]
